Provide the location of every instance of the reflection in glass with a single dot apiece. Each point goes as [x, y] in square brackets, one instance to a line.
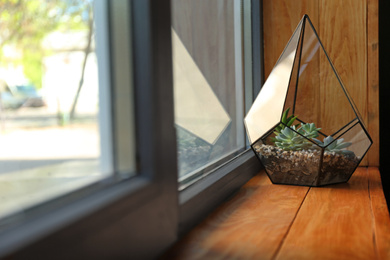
[208, 87]
[273, 92]
[292, 124]
[198, 109]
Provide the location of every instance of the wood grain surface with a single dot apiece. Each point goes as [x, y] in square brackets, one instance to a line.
[280, 18]
[380, 214]
[343, 35]
[249, 226]
[348, 31]
[267, 221]
[334, 223]
[373, 80]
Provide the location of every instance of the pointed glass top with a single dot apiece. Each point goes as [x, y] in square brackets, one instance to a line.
[304, 80]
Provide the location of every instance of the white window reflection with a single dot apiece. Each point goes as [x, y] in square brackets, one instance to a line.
[208, 84]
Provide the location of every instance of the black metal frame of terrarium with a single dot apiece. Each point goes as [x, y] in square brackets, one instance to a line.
[296, 144]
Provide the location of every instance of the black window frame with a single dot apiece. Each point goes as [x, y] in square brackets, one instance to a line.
[384, 106]
[142, 216]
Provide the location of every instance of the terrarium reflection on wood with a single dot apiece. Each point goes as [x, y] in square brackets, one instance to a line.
[293, 132]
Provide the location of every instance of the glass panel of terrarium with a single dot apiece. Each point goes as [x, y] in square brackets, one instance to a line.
[359, 116]
[306, 98]
[343, 155]
[291, 91]
[319, 91]
[208, 84]
[358, 139]
[273, 93]
[341, 131]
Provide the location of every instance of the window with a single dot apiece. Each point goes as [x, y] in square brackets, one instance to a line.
[143, 206]
[49, 113]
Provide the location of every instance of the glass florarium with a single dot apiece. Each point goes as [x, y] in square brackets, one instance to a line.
[303, 126]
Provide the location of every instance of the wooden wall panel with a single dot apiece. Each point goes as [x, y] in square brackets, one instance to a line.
[373, 80]
[348, 30]
[280, 18]
[344, 37]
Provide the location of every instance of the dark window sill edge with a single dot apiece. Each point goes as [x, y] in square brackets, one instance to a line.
[200, 199]
[55, 215]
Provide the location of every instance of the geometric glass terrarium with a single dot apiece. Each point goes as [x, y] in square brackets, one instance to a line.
[292, 126]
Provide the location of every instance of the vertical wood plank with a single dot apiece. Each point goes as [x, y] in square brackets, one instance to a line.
[380, 214]
[280, 18]
[344, 37]
[373, 80]
[249, 226]
[308, 93]
[333, 223]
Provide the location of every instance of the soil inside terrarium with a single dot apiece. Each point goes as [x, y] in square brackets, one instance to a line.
[303, 167]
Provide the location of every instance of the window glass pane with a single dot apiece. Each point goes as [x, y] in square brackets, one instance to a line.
[51, 105]
[208, 84]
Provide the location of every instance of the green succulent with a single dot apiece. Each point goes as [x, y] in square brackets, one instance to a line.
[287, 139]
[309, 130]
[291, 138]
[337, 146]
[286, 121]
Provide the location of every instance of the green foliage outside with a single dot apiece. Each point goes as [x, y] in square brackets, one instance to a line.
[25, 23]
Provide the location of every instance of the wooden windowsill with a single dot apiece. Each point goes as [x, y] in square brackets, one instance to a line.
[266, 221]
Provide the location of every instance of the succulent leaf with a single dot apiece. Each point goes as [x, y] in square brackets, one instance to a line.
[285, 121]
[284, 116]
[309, 130]
[328, 140]
[334, 146]
[291, 121]
[289, 139]
[318, 141]
[343, 145]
